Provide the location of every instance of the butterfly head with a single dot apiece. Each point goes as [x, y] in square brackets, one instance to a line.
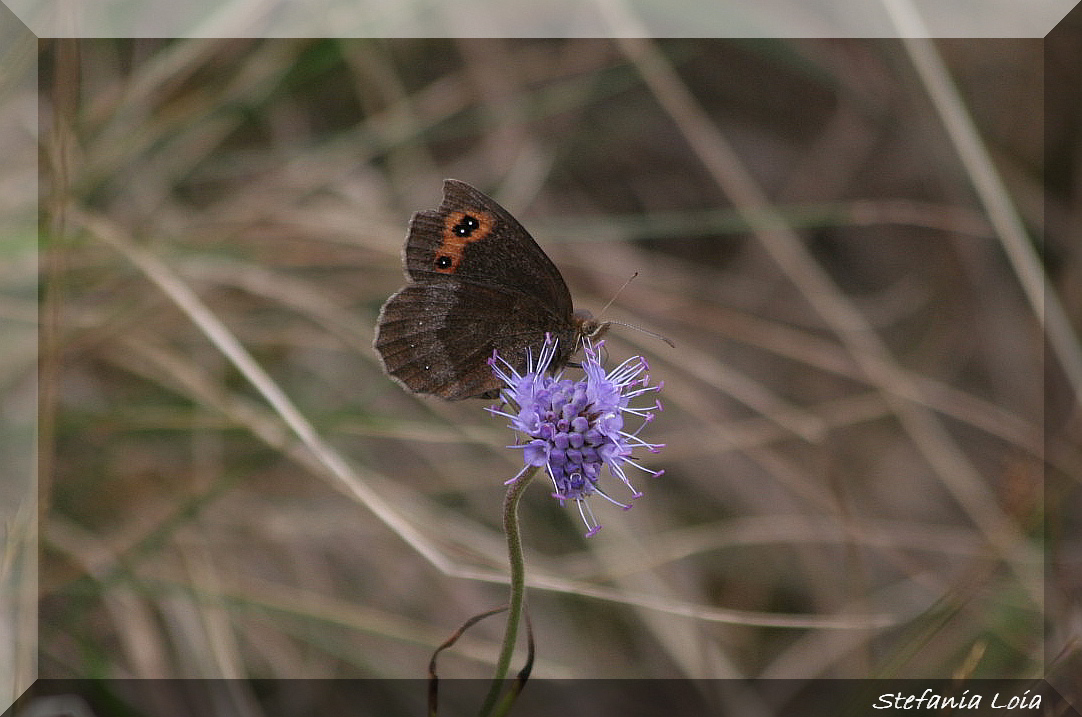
[587, 327]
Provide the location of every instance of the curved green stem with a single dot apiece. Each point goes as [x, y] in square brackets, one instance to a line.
[518, 586]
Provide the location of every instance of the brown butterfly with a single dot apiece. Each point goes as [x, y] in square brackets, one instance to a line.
[478, 283]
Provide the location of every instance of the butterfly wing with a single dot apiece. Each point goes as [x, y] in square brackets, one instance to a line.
[437, 336]
[473, 239]
[479, 282]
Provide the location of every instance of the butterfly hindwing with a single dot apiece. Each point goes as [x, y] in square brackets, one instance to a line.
[435, 339]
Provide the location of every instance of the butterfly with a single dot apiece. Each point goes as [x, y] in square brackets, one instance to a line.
[478, 283]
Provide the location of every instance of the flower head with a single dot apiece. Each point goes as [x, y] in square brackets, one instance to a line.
[576, 428]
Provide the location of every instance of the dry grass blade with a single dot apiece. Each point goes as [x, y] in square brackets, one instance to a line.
[990, 189]
[158, 273]
[852, 415]
[926, 431]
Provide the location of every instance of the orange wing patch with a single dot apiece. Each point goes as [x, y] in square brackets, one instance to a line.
[460, 229]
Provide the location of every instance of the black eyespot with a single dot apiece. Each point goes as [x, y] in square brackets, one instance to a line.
[444, 262]
[466, 226]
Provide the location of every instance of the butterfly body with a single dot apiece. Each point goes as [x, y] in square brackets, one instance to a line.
[478, 283]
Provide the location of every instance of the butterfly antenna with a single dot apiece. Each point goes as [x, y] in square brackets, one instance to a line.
[632, 326]
[614, 296]
[648, 332]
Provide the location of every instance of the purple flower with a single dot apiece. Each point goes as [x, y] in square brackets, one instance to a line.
[575, 428]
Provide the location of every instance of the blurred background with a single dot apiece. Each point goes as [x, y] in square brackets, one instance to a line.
[861, 415]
